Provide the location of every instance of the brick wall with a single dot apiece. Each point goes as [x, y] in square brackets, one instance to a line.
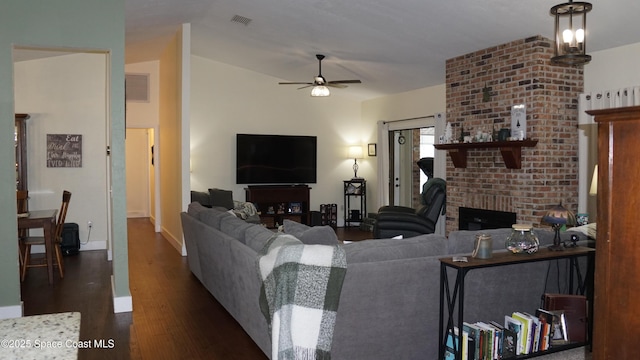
[519, 72]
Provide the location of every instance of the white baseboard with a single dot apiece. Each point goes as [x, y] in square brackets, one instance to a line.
[175, 242]
[120, 303]
[91, 245]
[11, 312]
[94, 245]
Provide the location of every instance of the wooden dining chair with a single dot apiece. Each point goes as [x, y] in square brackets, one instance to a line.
[40, 240]
[22, 196]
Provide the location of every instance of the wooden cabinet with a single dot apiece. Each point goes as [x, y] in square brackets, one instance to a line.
[21, 150]
[279, 202]
[617, 283]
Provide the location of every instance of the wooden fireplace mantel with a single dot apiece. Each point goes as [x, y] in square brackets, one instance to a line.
[511, 151]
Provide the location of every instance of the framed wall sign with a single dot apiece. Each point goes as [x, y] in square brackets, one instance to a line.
[519, 122]
[371, 149]
[64, 150]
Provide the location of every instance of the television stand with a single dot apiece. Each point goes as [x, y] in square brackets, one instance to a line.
[275, 203]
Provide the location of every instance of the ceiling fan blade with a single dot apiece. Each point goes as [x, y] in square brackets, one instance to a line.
[334, 85]
[295, 83]
[345, 82]
[304, 87]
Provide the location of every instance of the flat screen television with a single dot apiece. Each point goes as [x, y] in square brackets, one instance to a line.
[275, 159]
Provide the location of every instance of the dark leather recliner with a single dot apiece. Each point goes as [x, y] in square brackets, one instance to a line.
[400, 220]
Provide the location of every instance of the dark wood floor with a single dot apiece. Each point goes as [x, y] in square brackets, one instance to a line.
[174, 316]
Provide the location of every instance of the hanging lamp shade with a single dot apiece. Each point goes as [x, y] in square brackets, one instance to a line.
[320, 90]
[571, 33]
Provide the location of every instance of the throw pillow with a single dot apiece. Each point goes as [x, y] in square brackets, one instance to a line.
[317, 235]
[223, 198]
[201, 197]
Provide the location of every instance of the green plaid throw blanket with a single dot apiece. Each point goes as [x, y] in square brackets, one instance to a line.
[299, 296]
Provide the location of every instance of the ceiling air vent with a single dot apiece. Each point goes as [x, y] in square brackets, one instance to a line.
[241, 19]
[137, 87]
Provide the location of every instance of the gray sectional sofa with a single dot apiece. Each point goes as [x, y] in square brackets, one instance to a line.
[389, 304]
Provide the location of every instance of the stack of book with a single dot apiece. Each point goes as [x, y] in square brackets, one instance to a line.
[520, 334]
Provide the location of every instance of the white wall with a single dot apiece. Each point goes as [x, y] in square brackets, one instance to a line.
[226, 100]
[66, 95]
[612, 69]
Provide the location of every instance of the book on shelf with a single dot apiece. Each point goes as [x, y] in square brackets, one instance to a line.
[452, 344]
[515, 326]
[473, 341]
[509, 342]
[575, 311]
[527, 325]
[499, 337]
[535, 333]
[490, 343]
[559, 329]
[546, 321]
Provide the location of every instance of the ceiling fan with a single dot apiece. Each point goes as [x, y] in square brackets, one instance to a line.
[320, 84]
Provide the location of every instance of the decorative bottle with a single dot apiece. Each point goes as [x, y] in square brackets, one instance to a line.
[522, 239]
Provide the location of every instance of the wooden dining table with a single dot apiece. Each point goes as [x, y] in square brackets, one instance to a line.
[45, 219]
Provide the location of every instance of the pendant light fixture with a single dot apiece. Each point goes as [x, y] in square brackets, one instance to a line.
[570, 33]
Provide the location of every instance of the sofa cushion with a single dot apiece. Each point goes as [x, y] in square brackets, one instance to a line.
[316, 235]
[196, 209]
[201, 197]
[395, 249]
[213, 216]
[234, 227]
[257, 236]
[223, 198]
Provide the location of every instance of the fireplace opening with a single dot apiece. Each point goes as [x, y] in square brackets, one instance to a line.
[480, 219]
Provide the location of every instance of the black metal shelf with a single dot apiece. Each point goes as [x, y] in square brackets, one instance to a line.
[585, 286]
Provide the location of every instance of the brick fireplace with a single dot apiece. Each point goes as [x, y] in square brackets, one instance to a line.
[519, 72]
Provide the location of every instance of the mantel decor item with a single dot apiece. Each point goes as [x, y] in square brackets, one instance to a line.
[522, 239]
[570, 32]
[557, 217]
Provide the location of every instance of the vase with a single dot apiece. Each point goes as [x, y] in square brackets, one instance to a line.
[522, 239]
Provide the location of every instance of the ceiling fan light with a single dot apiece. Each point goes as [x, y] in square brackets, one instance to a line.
[320, 90]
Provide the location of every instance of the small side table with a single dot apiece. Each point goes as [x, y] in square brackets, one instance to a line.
[355, 201]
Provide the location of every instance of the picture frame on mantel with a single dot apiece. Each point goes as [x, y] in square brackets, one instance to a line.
[519, 122]
[371, 149]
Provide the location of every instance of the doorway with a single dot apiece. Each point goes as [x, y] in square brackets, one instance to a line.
[410, 148]
[422, 140]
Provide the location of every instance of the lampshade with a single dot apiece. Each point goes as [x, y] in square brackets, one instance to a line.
[570, 33]
[594, 182]
[320, 90]
[559, 215]
[355, 152]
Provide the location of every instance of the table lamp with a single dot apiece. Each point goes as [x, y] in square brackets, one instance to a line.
[355, 153]
[556, 217]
